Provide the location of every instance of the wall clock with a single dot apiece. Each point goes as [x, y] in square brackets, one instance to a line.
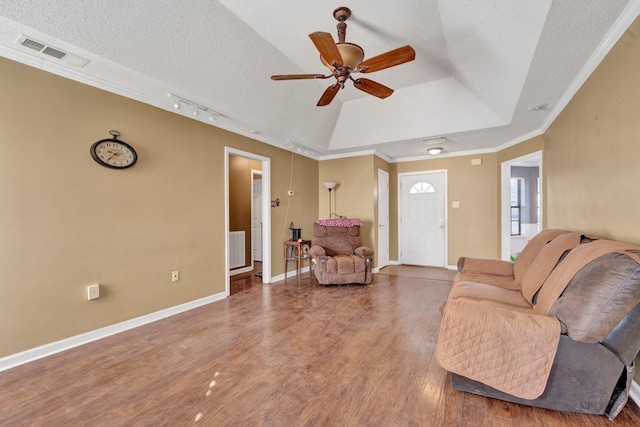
[113, 153]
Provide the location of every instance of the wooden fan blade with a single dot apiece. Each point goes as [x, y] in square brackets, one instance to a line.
[328, 95]
[326, 46]
[297, 76]
[373, 88]
[389, 59]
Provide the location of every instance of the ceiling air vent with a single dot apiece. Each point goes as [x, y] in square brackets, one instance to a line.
[45, 49]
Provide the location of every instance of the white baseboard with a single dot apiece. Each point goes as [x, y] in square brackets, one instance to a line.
[36, 353]
[291, 273]
[452, 267]
[392, 262]
[634, 392]
[240, 271]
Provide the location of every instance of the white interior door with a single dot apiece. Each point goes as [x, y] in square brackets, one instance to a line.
[256, 219]
[423, 219]
[383, 219]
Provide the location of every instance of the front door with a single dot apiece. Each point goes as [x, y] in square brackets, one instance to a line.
[422, 219]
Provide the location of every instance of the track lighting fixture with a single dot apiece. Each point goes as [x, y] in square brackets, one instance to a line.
[196, 108]
[298, 147]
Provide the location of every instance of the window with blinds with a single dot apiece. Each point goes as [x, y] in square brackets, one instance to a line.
[517, 186]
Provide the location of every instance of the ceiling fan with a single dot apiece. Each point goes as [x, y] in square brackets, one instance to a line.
[343, 59]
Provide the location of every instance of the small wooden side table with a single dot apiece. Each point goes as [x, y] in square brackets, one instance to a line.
[294, 251]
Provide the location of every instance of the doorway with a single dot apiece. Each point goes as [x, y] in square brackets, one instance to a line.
[265, 207]
[521, 203]
[423, 218]
[383, 219]
[256, 216]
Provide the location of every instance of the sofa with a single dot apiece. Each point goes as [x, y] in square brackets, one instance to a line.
[559, 329]
[337, 255]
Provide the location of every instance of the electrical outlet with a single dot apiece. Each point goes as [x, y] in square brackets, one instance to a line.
[93, 292]
[290, 193]
[175, 276]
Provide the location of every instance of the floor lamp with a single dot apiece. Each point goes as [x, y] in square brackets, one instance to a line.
[330, 186]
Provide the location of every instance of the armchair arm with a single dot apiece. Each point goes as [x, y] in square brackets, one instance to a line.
[485, 266]
[364, 251]
[316, 250]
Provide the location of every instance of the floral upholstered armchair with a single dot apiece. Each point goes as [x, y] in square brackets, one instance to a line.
[337, 254]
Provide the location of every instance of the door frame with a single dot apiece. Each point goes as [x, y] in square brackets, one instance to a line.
[254, 172]
[446, 211]
[379, 249]
[266, 212]
[505, 200]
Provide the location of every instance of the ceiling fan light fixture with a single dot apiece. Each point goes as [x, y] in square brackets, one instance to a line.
[351, 53]
[434, 150]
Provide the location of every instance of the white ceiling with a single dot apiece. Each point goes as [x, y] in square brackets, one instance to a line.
[479, 65]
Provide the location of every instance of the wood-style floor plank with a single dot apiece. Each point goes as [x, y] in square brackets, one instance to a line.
[293, 353]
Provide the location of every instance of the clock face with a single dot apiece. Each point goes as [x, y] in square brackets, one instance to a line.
[114, 154]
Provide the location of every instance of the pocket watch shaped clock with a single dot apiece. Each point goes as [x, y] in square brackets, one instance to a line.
[113, 153]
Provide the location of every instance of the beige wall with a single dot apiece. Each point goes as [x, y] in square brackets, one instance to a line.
[353, 196]
[592, 150]
[472, 227]
[67, 222]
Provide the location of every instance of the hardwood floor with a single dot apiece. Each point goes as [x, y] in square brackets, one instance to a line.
[293, 353]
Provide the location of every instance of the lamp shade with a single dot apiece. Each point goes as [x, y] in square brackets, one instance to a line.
[434, 150]
[329, 185]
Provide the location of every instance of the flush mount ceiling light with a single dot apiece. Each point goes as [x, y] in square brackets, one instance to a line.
[434, 150]
[196, 108]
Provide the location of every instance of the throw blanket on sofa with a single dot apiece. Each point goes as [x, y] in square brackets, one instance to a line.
[488, 344]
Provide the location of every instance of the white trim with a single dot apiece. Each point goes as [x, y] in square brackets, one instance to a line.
[291, 273]
[443, 155]
[349, 154]
[254, 172]
[241, 270]
[386, 221]
[36, 353]
[452, 267]
[266, 212]
[505, 200]
[634, 392]
[394, 262]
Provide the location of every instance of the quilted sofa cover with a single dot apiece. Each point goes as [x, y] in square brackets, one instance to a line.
[564, 337]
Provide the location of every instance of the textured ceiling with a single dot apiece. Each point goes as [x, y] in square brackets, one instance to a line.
[479, 65]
